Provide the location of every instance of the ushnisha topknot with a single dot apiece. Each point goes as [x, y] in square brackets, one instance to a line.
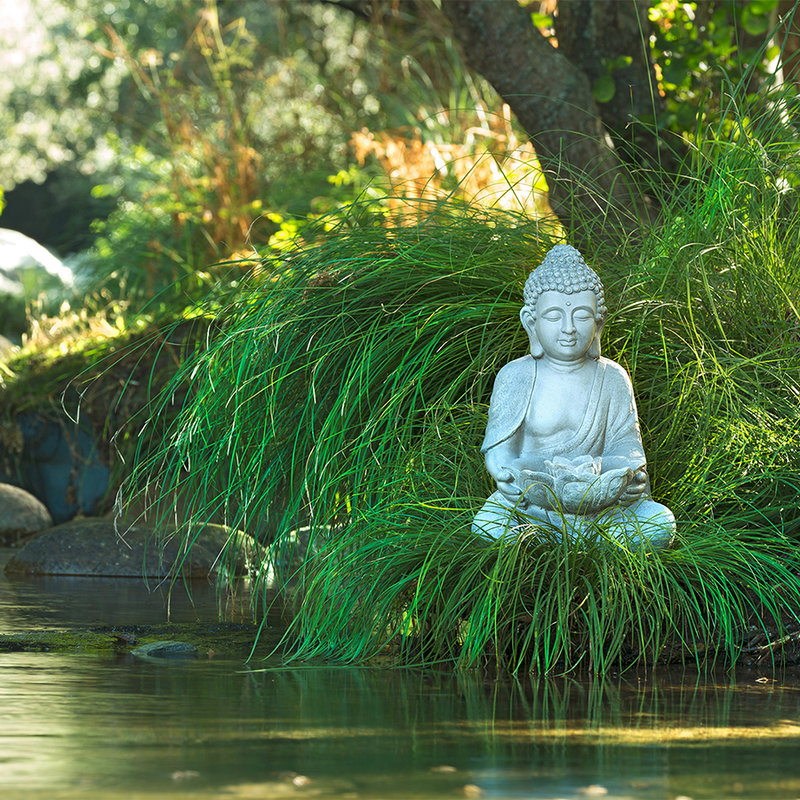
[564, 270]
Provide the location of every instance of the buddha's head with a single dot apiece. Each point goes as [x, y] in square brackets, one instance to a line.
[564, 309]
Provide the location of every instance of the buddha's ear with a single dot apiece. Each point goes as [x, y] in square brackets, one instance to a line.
[594, 347]
[529, 323]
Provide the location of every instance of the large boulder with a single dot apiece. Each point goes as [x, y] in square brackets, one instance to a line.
[28, 272]
[94, 547]
[21, 514]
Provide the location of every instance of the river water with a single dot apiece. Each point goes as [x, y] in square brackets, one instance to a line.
[102, 727]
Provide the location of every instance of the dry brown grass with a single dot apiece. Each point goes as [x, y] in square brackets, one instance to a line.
[489, 168]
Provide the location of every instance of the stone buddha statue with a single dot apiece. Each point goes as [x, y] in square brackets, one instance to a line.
[562, 441]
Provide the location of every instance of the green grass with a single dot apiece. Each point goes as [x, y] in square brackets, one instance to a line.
[400, 591]
[308, 403]
[709, 327]
[345, 392]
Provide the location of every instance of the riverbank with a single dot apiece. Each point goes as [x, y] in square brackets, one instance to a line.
[114, 616]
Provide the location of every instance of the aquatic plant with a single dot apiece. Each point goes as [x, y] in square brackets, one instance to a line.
[336, 409]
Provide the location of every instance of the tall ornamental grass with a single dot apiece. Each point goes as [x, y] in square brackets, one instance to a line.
[709, 326]
[337, 411]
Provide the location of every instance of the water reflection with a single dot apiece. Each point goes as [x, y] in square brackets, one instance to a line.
[102, 728]
[56, 601]
[74, 725]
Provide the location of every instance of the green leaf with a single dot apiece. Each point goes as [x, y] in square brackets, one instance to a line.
[761, 6]
[621, 61]
[104, 190]
[604, 89]
[755, 24]
[675, 72]
[542, 20]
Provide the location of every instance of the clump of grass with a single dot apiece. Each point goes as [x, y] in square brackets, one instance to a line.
[326, 366]
[400, 590]
[709, 326]
[344, 395]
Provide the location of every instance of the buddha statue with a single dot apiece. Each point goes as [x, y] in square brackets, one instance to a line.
[562, 441]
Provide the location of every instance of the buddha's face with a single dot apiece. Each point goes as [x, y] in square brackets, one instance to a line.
[565, 324]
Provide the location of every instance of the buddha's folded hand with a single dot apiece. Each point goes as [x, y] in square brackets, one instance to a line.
[525, 488]
[587, 493]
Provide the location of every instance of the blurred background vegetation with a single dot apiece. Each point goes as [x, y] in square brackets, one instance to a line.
[145, 141]
[167, 148]
[158, 138]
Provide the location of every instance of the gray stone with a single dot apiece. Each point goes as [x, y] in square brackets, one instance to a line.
[21, 514]
[24, 261]
[7, 347]
[93, 547]
[166, 650]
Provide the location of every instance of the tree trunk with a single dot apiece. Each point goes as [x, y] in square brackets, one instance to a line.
[552, 99]
[789, 39]
[593, 34]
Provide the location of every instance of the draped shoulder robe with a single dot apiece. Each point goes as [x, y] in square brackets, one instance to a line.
[610, 426]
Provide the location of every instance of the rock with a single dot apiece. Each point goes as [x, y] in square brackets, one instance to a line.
[59, 463]
[21, 514]
[23, 259]
[93, 547]
[166, 650]
[229, 640]
[28, 272]
[7, 347]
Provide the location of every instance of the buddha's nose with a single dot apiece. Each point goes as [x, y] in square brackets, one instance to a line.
[567, 324]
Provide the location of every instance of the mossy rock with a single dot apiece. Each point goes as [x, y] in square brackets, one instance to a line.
[208, 640]
[166, 650]
[97, 548]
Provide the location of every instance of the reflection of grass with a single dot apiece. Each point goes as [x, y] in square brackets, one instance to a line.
[550, 711]
[346, 393]
[670, 706]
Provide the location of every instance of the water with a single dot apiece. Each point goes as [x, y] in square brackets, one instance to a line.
[56, 602]
[107, 727]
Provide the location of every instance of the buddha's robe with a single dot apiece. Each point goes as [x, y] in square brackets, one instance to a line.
[609, 430]
[610, 427]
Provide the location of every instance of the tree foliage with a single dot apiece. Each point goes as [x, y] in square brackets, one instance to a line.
[213, 127]
[601, 99]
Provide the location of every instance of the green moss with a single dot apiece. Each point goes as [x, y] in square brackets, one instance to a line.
[218, 639]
